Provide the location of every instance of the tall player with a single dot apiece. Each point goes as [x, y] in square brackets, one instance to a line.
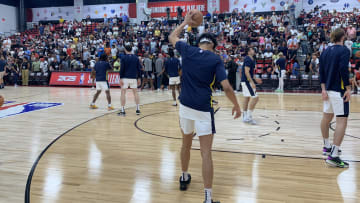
[129, 78]
[201, 67]
[172, 68]
[101, 67]
[336, 91]
[249, 87]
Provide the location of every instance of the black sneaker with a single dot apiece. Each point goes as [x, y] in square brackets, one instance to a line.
[215, 102]
[137, 112]
[122, 113]
[212, 201]
[184, 184]
[327, 151]
[336, 162]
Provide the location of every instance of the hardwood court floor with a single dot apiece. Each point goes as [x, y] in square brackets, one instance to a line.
[110, 159]
[135, 159]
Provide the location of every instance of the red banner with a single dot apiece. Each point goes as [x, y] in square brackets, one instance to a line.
[81, 78]
[158, 9]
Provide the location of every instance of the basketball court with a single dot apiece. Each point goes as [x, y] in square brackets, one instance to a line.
[55, 149]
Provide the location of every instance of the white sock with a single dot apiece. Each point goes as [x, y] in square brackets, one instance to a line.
[245, 114]
[208, 195]
[92, 103]
[335, 151]
[137, 106]
[123, 108]
[109, 105]
[327, 143]
[185, 176]
[249, 113]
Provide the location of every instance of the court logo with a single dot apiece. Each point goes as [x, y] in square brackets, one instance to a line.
[27, 107]
[63, 78]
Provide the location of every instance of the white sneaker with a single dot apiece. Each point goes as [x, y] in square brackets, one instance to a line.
[158, 90]
[175, 103]
[252, 122]
[92, 88]
[246, 119]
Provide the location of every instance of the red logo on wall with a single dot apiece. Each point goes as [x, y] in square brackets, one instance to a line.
[158, 9]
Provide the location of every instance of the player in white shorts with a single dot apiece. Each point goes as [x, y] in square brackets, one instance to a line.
[249, 87]
[201, 67]
[336, 92]
[101, 67]
[129, 78]
[172, 68]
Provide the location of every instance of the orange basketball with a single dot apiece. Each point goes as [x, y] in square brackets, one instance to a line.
[357, 54]
[197, 18]
[1, 100]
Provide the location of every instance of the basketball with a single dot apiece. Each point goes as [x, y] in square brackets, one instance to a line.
[197, 18]
[1, 100]
[357, 54]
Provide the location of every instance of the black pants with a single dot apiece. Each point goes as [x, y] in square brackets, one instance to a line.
[232, 80]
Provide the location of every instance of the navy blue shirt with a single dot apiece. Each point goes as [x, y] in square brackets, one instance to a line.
[172, 66]
[130, 67]
[2, 65]
[200, 70]
[249, 63]
[334, 68]
[101, 67]
[281, 62]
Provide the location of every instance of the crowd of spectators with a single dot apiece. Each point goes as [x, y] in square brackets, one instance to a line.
[75, 46]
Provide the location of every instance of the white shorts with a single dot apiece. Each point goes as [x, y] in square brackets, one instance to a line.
[129, 83]
[336, 105]
[202, 122]
[282, 73]
[174, 80]
[248, 90]
[103, 85]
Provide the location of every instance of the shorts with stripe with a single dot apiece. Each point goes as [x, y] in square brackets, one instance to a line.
[193, 120]
[247, 90]
[336, 104]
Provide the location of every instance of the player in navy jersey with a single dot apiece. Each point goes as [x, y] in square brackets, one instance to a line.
[101, 68]
[172, 68]
[336, 91]
[130, 72]
[248, 86]
[201, 67]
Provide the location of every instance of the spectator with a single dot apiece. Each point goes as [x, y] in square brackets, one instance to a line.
[36, 66]
[25, 66]
[117, 65]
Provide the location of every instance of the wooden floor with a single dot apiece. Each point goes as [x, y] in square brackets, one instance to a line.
[136, 158]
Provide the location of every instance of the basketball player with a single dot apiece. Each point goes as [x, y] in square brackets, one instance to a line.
[336, 92]
[101, 67]
[281, 65]
[130, 72]
[201, 67]
[2, 71]
[93, 73]
[172, 68]
[248, 86]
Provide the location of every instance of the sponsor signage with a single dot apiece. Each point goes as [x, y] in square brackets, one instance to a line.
[81, 79]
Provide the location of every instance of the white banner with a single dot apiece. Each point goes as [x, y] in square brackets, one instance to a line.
[78, 9]
[70, 12]
[106, 10]
[53, 13]
[338, 5]
[263, 5]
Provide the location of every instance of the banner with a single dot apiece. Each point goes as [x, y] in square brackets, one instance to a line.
[263, 5]
[106, 10]
[75, 12]
[53, 13]
[159, 8]
[78, 9]
[81, 79]
[338, 5]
